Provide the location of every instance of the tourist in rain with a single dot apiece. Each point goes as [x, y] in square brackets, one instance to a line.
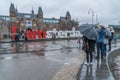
[26, 39]
[90, 36]
[111, 38]
[100, 41]
[17, 38]
[85, 47]
[88, 47]
[106, 38]
[79, 41]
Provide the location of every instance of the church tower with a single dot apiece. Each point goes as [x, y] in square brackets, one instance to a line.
[40, 18]
[12, 12]
[68, 16]
[40, 13]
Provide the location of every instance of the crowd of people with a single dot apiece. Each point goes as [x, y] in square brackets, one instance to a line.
[17, 38]
[105, 36]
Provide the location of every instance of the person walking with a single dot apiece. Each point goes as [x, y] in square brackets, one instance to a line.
[17, 39]
[111, 38]
[100, 41]
[26, 39]
[106, 38]
[79, 42]
[105, 45]
[88, 47]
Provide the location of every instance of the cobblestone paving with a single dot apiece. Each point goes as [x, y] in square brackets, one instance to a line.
[70, 70]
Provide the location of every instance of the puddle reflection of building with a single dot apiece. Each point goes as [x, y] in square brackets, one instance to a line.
[40, 50]
[53, 42]
[26, 47]
[43, 45]
[40, 53]
[15, 47]
[68, 51]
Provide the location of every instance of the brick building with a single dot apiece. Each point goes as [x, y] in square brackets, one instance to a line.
[37, 21]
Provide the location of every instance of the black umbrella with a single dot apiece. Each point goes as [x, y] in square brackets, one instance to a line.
[89, 31]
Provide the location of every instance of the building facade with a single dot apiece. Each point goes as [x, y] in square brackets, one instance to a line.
[33, 21]
[117, 30]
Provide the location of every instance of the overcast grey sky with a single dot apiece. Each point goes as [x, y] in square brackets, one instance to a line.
[108, 11]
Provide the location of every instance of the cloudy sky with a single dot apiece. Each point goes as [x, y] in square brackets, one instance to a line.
[108, 11]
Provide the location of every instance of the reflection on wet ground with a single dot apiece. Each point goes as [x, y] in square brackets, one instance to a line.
[40, 61]
[36, 46]
[63, 49]
[97, 71]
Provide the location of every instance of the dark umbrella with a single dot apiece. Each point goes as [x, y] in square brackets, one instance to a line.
[89, 31]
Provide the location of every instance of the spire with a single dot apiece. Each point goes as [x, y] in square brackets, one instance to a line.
[16, 9]
[12, 7]
[40, 11]
[32, 11]
[68, 14]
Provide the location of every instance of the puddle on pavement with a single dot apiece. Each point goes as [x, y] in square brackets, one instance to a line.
[36, 47]
[39, 53]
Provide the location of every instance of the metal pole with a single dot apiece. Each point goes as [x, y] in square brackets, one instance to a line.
[96, 18]
[92, 17]
[92, 13]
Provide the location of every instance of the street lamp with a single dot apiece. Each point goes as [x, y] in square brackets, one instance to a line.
[92, 13]
[96, 18]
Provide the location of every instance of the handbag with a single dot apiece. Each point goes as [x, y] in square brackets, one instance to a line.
[85, 46]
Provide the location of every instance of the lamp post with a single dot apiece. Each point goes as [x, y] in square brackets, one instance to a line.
[92, 13]
[96, 18]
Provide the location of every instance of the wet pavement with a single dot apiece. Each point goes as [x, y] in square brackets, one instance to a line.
[42, 60]
[116, 67]
[36, 46]
[99, 70]
[114, 61]
[36, 60]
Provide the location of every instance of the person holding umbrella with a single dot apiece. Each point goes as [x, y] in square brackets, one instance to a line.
[88, 47]
[89, 39]
[111, 38]
[106, 38]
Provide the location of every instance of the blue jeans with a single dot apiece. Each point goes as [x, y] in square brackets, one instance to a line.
[104, 49]
[99, 49]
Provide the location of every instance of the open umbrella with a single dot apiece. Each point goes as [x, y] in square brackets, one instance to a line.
[89, 31]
